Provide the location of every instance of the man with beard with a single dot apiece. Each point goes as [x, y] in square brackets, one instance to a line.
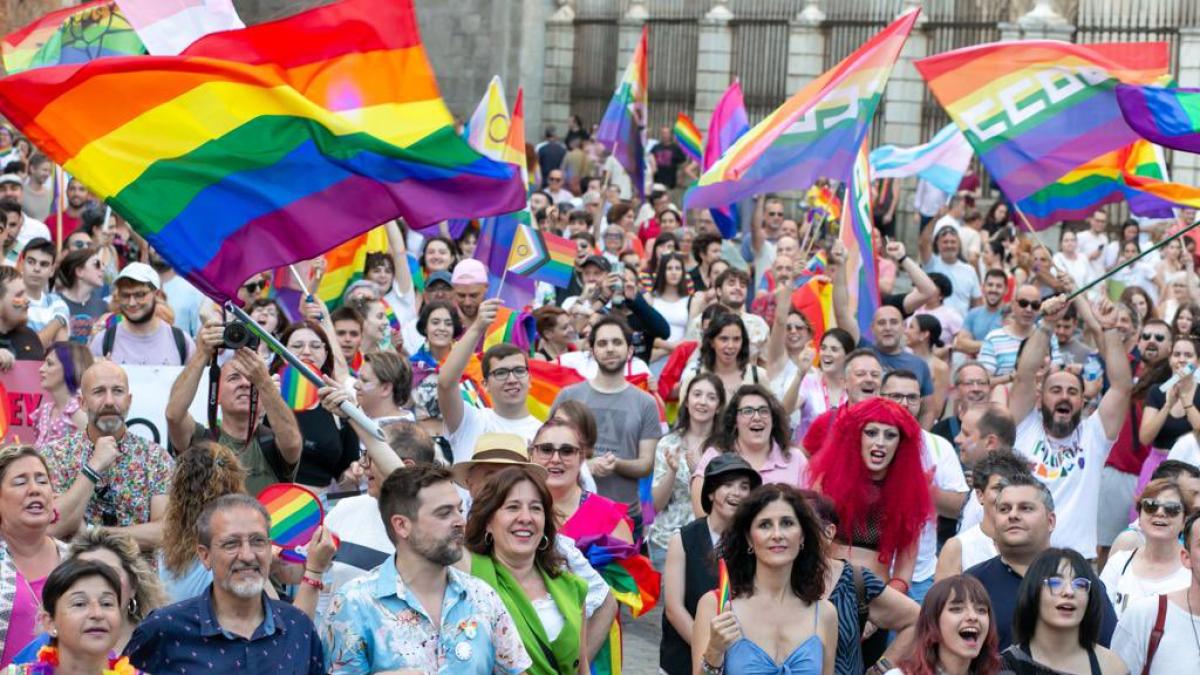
[998, 353]
[78, 197]
[984, 318]
[627, 424]
[137, 336]
[245, 393]
[470, 282]
[106, 476]
[1024, 522]
[1068, 454]
[416, 612]
[234, 626]
[10, 227]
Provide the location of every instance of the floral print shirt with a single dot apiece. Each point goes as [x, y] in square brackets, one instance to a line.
[50, 427]
[141, 471]
[375, 623]
[679, 510]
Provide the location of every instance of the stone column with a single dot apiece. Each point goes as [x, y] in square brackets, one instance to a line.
[714, 61]
[1043, 22]
[1185, 166]
[560, 59]
[806, 47]
[629, 33]
[905, 92]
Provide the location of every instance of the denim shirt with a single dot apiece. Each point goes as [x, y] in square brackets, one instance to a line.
[376, 623]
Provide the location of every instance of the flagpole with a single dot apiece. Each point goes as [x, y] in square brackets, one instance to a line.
[296, 275]
[1091, 284]
[59, 195]
[1037, 238]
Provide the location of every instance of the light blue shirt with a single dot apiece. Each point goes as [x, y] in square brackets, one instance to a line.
[186, 301]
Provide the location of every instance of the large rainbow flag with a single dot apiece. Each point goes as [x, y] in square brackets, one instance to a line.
[623, 127]
[815, 133]
[1037, 112]
[259, 147]
[72, 35]
[729, 123]
[346, 262]
[1168, 117]
[857, 234]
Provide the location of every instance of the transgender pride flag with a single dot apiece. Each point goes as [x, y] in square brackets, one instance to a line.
[167, 27]
[941, 162]
[817, 132]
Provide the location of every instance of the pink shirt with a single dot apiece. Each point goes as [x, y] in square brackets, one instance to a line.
[777, 468]
[49, 427]
[22, 623]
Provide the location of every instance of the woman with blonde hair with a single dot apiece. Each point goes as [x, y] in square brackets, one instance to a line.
[204, 472]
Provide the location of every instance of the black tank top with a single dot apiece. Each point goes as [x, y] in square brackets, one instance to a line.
[699, 577]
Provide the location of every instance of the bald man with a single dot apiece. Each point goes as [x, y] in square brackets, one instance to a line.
[106, 476]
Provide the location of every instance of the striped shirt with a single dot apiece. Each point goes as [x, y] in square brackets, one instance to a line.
[999, 351]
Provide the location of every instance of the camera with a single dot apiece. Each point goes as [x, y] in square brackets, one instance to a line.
[237, 335]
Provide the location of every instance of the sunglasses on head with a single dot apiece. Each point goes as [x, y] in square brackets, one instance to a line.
[1153, 506]
[1029, 304]
[1157, 337]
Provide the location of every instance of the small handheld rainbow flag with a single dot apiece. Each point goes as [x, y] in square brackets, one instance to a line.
[298, 392]
[295, 511]
[688, 137]
[393, 320]
[722, 586]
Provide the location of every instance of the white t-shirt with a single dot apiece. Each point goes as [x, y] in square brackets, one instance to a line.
[1088, 243]
[1186, 449]
[476, 422]
[939, 455]
[972, 514]
[1125, 588]
[675, 313]
[1177, 652]
[1071, 468]
[1079, 269]
[975, 547]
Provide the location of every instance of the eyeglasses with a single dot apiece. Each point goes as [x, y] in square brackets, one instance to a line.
[1056, 585]
[1153, 506]
[797, 328]
[254, 287]
[548, 450]
[775, 213]
[133, 296]
[1029, 304]
[257, 544]
[503, 373]
[1157, 337]
[903, 399]
[974, 383]
[555, 179]
[761, 411]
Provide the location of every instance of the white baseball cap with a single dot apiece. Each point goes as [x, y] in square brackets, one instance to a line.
[141, 273]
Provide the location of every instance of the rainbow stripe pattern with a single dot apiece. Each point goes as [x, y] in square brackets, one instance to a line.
[517, 328]
[392, 319]
[623, 127]
[1168, 117]
[260, 147]
[1042, 115]
[346, 263]
[857, 234]
[633, 582]
[542, 256]
[814, 133]
[72, 35]
[729, 123]
[296, 513]
[722, 585]
[298, 391]
[688, 137]
[814, 299]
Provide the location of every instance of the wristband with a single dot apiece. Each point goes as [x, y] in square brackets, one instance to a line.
[899, 584]
[310, 581]
[900, 262]
[90, 473]
[709, 669]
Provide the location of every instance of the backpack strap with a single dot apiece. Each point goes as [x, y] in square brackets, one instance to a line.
[860, 592]
[180, 345]
[110, 337]
[1125, 567]
[1160, 622]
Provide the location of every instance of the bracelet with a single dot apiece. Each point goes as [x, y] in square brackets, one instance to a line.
[899, 584]
[881, 666]
[90, 473]
[900, 262]
[709, 669]
[317, 573]
[315, 583]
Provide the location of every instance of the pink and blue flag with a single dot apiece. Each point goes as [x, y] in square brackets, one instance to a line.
[816, 132]
[623, 127]
[729, 123]
[1167, 117]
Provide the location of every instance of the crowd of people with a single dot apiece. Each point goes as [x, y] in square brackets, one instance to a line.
[996, 474]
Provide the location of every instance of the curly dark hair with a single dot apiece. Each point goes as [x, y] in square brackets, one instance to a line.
[725, 431]
[491, 498]
[808, 570]
[708, 354]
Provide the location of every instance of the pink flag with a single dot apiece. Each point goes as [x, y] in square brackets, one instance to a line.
[167, 27]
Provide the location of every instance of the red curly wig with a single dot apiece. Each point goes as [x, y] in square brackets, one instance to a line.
[838, 472]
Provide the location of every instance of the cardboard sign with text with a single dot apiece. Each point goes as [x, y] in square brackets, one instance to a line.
[149, 385]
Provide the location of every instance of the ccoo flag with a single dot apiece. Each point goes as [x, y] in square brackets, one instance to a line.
[815, 133]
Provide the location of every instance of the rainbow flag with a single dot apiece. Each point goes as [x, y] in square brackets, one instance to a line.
[723, 591]
[623, 127]
[392, 319]
[169, 26]
[295, 512]
[688, 137]
[259, 147]
[814, 299]
[346, 263]
[857, 234]
[541, 256]
[514, 328]
[1168, 117]
[1042, 114]
[729, 123]
[814, 133]
[633, 582]
[71, 36]
[822, 199]
[298, 392]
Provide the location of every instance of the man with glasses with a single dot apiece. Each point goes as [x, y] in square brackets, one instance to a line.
[137, 336]
[627, 422]
[949, 488]
[971, 387]
[554, 185]
[760, 247]
[998, 353]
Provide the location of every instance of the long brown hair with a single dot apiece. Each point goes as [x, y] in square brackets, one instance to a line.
[203, 472]
[924, 657]
[491, 498]
[808, 570]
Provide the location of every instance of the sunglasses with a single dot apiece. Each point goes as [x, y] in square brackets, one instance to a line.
[1056, 585]
[254, 287]
[1157, 337]
[1027, 304]
[548, 450]
[1152, 506]
[775, 213]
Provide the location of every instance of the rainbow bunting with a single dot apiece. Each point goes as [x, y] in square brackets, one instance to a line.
[729, 123]
[297, 390]
[688, 137]
[1168, 117]
[295, 511]
[814, 133]
[623, 127]
[722, 586]
[814, 299]
[1042, 116]
[346, 263]
[254, 149]
[71, 36]
[857, 234]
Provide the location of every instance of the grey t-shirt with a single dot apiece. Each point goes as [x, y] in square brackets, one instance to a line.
[623, 420]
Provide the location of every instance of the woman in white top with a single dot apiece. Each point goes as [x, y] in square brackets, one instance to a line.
[1168, 266]
[824, 387]
[670, 298]
[1154, 567]
[1071, 261]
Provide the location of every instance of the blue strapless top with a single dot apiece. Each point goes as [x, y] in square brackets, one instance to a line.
[746, 657]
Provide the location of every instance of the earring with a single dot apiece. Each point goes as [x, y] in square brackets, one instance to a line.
[488, 539]
[545, 543]
[750, 549]
[133, 607]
